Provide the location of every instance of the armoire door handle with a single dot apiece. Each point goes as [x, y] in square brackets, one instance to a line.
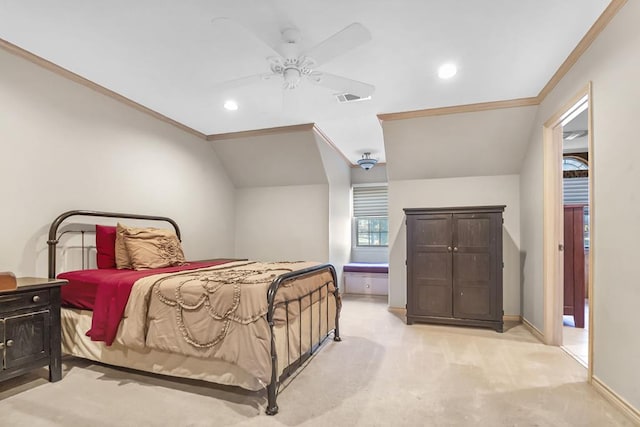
[449, 248]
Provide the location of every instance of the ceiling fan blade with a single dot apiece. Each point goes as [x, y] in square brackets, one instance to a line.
[341, 42]
[243, 81]
[342, 84]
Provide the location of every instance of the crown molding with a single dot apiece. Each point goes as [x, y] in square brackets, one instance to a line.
[260, 132]
[586, 41]
[600, 24]
[331, 144]
[280, 130]
[597, 27]
[25, 54]
[456, 109]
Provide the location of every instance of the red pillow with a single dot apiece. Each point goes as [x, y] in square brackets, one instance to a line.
[106, 246]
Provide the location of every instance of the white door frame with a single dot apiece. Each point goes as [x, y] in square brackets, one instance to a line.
[553, 230]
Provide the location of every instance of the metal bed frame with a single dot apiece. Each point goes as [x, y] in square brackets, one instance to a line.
[292, 366]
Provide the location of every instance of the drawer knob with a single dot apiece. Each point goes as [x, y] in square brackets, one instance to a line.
[10, 343]
[36, 298]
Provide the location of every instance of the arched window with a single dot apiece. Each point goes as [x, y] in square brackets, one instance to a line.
[571, 163]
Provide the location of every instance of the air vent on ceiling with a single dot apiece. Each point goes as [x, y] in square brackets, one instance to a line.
[348, 97]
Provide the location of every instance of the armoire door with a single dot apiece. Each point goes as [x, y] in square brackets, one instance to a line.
[474, 265]
[429, 267]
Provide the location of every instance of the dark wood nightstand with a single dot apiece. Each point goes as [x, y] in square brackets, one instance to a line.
[30, 328]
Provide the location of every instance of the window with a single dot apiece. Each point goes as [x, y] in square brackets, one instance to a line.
[372, 232]
[371, 222]
[570, 163]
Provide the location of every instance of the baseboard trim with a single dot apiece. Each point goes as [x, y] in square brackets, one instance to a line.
[617, 400]
[534, 331]
[506, 318]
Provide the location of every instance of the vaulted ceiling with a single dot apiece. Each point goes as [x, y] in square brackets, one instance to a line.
[481, 143]
[171, 56]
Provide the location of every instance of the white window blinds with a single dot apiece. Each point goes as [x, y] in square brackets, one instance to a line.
[575, 191]
[370, 201]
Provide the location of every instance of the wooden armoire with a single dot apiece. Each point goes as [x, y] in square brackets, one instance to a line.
[454, 266]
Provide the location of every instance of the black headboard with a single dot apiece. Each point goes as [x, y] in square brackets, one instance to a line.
[53, 230]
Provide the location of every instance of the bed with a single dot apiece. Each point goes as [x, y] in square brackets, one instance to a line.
[234, 322]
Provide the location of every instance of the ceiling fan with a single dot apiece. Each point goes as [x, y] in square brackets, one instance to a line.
[294, 65]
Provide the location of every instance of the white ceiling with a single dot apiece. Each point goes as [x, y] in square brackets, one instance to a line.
[580, 144]
[170, 55]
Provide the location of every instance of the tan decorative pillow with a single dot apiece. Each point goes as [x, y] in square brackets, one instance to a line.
[122, 255]
[153, 248]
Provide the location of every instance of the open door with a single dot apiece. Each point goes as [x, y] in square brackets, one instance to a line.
[567, 241]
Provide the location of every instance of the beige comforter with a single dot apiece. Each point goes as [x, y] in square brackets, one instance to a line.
[217, 311]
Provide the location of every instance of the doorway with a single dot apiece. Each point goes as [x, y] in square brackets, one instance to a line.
[575, 198]
[568, 230]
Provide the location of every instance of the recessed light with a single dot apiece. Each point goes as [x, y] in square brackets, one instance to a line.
[231, 105]
[446, 71]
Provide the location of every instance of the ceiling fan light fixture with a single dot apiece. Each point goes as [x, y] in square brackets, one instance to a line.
[366, 162]
[446, 71]
[291, 77]
[230, 105]
[292, 63]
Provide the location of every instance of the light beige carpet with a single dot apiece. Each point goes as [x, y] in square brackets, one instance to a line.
[384, 373]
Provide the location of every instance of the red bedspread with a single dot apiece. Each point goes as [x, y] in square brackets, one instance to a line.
[106, 292]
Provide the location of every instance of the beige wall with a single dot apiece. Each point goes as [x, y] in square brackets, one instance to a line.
[283, 223]
[272, 159]
[479, 143]
[612, 63]
[339, 176]
[292, 196]
[472, 191]
[66, 147]
[375, 175]
[288, 209]
[531, 223]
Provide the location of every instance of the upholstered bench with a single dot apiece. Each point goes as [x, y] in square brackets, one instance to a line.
[366, 278]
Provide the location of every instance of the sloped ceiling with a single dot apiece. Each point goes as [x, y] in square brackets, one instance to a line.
[288, 158]
[466, 144]
[580, 144]
[170, 56]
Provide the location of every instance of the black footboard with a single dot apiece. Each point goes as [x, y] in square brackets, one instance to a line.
[272, 388]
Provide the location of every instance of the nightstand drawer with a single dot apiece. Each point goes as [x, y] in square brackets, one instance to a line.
[17, 301]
